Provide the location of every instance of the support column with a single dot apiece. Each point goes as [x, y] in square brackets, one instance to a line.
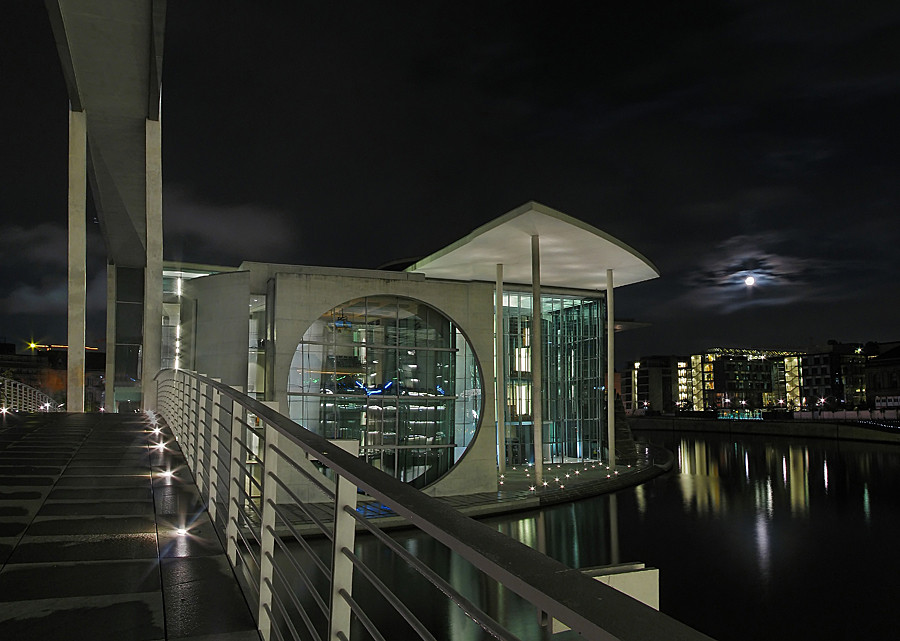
[537, 356]
[500, 372]
[152, 334]
[77, 282]
[109, 401]
[610, 370]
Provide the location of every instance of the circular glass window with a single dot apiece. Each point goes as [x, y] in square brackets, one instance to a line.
[395, 375]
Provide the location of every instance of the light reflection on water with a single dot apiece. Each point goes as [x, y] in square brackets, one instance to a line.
[755, 538]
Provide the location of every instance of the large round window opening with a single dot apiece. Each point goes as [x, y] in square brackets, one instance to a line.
[394, 375]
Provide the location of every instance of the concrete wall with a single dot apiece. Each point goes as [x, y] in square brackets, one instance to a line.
[221, 333]
[806, 429]
[305, 294]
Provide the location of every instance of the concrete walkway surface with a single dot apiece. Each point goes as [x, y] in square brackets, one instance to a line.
[89, 536]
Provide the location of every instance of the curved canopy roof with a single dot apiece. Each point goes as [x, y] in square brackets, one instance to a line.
[573, 254]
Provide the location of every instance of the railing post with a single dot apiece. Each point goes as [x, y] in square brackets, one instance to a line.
[234, 482]
[341, 566]
[191, 436]
[202, 444]
[184, 403]
[267, 528]
[215, 435]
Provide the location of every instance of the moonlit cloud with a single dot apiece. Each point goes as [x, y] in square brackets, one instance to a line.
[719, 281]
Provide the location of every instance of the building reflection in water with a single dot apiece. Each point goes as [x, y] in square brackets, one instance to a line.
[751, 534]
[704, 464]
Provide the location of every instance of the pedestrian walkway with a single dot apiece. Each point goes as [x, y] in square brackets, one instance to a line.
[103, 535]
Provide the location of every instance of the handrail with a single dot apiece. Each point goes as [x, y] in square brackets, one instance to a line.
[16, 396]
[589, 607]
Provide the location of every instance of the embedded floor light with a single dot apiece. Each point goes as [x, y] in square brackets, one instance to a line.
[181, 531]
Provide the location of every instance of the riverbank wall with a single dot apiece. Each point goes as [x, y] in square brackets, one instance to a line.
[793, 428]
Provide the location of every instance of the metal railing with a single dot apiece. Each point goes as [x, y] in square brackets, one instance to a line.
[269, 483]
[19, 397]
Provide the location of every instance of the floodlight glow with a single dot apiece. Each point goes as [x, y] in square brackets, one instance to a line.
[181, 531]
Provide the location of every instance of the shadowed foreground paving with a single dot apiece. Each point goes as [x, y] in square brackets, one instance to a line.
[88, 541]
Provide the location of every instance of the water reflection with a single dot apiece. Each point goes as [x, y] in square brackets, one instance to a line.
[755, 538]
[705, 466]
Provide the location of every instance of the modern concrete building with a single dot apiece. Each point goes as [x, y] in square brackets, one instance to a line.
[436, 372]
[883, 380]
[727, 380]
[835, 376]
[737, 379]
[657, 384]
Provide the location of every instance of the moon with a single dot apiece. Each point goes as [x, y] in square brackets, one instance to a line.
[749, 281]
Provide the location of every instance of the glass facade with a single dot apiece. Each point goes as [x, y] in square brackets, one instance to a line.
[573, 372]
[395, 375]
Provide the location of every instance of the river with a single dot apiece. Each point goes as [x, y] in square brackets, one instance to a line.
[755, 538]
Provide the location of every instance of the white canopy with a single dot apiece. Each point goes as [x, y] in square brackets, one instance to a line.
[573, 254]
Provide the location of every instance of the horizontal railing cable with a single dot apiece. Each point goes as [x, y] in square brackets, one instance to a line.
[292, 595]
[326, 531]
[363, 618]
[595, 610]
[389, 596]
[304, 576]
[326, 571]
[329, 492]
[487, 623]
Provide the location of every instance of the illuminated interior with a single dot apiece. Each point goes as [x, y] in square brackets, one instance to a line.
[395, 375]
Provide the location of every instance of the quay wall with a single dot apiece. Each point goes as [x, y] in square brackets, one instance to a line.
[800, 428]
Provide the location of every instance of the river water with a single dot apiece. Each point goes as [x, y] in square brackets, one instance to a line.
[755, 538]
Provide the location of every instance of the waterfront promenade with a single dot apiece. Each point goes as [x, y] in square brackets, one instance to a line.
[103, 535]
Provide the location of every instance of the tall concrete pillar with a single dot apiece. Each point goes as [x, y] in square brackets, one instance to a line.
[537, 356]
[152, 331]
[109, 379]
[77, 279]
[610, 370]
[500, 372]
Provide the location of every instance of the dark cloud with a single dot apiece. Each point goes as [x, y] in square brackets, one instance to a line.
[226, 234]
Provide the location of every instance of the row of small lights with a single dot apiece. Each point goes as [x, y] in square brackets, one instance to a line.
[161, 446]
[556, 478]
[6, 410]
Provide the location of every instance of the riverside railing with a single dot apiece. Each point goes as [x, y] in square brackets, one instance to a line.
[276, 492]
[19, 397]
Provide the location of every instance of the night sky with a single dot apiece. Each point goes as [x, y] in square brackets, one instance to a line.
[719, 139]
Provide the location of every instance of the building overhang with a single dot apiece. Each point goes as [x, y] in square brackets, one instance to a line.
[574, 255]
